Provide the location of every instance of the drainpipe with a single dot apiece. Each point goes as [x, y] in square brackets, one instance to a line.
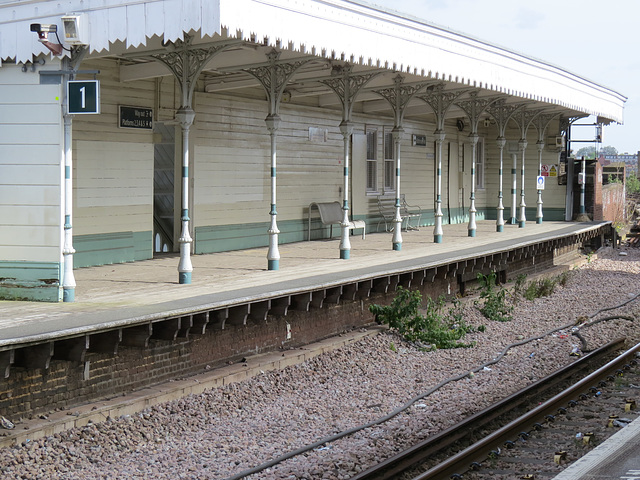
[68, 279]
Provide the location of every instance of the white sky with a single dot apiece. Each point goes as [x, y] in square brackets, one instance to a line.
[598, 40]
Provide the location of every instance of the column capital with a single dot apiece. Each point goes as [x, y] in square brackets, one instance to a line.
[540, 145]
[501, 142]
[346, 128]
[397, 133]
[474, 137]
[273, 122]
[185, 116]
[522, 143]
[439, 135]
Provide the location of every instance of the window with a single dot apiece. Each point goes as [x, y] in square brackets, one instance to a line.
[389, 163]
[372, 160]
[480, 164]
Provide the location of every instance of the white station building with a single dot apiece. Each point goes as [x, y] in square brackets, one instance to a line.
[133, 128]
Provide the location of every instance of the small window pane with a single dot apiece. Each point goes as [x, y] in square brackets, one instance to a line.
[372, 176]
[389, 175]
[372, 144]
[480, 164]
[388, 146]
[372, 160]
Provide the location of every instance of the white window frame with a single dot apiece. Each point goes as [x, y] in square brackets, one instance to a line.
[480, 164]
[389, 170]
[372, 160]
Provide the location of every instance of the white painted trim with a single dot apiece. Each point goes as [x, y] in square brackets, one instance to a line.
[359, 33]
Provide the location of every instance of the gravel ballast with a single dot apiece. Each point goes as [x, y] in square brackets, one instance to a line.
[228, 430]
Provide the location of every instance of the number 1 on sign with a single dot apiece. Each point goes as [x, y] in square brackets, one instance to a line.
[83, 96]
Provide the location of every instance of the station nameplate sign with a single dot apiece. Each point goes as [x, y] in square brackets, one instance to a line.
[135, 117]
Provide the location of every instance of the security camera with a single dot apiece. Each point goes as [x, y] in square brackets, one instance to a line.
[43, 30]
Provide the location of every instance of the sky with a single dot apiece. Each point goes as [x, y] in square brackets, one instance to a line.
[597, 40]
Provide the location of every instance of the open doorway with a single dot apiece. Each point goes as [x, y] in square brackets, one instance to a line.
[163, 188]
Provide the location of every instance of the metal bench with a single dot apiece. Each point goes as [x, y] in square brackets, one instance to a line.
[387, 209]
[331, 214]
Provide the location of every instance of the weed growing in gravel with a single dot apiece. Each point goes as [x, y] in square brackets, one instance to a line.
[434, 329]
[541, 288]
[494, 299]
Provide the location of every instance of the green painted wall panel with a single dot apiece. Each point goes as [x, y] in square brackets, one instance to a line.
[549, 214]
[143, 245]
[222, 238]
[39, 281]
[108, 248]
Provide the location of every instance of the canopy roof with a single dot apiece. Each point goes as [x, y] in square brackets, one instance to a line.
[339, 30]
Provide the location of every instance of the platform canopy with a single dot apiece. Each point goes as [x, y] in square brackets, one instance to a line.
[369, 38]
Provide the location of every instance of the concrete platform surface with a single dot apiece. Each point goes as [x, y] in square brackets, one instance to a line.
[121, 294]
[616, 458]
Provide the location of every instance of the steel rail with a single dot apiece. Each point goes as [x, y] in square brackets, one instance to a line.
[462, 461]
[418, 453]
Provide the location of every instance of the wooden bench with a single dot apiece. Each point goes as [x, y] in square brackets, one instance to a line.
[387, 209]
[331, 214]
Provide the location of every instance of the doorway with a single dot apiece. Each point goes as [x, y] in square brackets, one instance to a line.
[163, 188]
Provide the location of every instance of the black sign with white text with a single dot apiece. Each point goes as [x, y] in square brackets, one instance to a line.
[136, 117]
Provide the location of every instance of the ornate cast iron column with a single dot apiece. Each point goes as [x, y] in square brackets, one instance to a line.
[440, 101]
[523, 119]
[501, 114]
[274, 77]
[541, 123]
[473, 108]
[522, 218]
[398, 97]
[186, 63]
[346, 129]
[346, 85]
[500, 142]
[514, 188]
[540, 147]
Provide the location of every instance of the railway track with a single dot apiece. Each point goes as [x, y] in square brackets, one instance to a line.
[506, 439]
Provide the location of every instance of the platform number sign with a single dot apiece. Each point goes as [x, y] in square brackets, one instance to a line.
[83, 96]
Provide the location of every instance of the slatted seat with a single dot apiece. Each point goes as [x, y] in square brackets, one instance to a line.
[387, 209]
[331, 214]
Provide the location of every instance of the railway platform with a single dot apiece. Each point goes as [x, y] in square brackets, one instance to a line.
[123, 294]
[133, 325]
[617, 458]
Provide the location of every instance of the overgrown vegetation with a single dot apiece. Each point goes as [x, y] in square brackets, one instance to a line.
[493, 304]
[633, 184]
[429, 326]
[435, 329]
[539, 288]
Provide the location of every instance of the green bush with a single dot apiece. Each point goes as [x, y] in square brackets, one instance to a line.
[435, 328]
[633, 184]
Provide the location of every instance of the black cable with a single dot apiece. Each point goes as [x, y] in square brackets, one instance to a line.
[63, 47]
[406, 405]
